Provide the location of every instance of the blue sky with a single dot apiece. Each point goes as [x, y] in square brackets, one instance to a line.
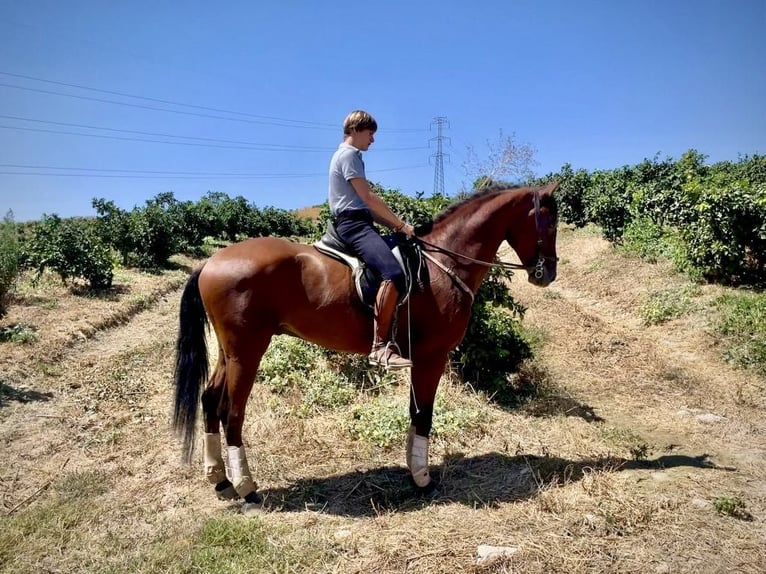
[248, 98]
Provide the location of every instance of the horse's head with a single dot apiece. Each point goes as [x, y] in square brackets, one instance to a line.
[534, 239]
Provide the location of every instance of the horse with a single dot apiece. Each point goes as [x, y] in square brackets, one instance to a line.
[261, 287]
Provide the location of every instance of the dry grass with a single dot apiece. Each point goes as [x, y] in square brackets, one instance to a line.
[311, 213]
[608, 470]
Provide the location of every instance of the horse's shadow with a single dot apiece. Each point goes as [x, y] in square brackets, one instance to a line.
[481, 481]
[9, 393]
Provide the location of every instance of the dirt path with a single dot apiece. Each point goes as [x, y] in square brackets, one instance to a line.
[666, 383]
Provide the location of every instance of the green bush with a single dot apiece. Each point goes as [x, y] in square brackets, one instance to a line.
[18, 333]
[156, 231]
[609, 201]
[709, 219]
[742, 324]
[494, 346]
[570, 195]
[732, 506]
[114, 227]
[726, 241]
[294, 367]
[651, 241]
[10, 255]
[72, 249]
[668, 304]
[384, 422]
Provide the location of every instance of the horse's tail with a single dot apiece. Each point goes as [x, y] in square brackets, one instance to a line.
[191, 362]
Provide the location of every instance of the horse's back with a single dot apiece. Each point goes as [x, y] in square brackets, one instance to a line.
[273, 281]
[249, 258]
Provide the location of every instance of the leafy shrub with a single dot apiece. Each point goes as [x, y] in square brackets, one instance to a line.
[18, 333]
[651, 241]
[416, 210]
[732, 506]
[726, 241]
[609, 200]
[114, 227]
[570, 195]
[668, 304]
[357, 370]
[282, 223]
[384, 422]
[711, 220]
[156, 231]
[291, 366]
[10, 253]
[493, 346]
[72, 249]
[742, 324]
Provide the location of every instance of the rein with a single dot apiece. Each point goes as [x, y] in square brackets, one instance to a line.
[439, 249]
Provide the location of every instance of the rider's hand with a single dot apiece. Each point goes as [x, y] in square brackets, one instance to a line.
[407, 230]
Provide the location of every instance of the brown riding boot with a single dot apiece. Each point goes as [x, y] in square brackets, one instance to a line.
[384, 352]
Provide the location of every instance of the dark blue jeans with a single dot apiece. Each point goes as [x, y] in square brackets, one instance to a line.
[357, 231]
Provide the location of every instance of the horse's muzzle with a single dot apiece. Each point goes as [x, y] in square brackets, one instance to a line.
[541, 277]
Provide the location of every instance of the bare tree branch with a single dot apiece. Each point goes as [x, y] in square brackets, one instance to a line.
[507, 160]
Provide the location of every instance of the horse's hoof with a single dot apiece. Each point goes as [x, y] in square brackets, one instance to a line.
[224, 490]
[430, 491]
[253, 504]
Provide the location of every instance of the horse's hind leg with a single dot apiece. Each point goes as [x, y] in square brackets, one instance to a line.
[214, 410]
[241, 366]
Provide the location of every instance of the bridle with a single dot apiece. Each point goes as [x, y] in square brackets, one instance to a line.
[538, 269]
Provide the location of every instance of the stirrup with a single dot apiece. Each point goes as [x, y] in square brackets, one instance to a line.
[389, 357]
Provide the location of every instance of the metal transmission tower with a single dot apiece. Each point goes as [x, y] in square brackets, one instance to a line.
[440, 122]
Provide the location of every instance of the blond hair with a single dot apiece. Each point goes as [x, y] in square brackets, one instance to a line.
[358, 121]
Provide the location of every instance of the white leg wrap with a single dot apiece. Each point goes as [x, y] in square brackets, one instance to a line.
[240, 471]
[214, 467]
[417, 457]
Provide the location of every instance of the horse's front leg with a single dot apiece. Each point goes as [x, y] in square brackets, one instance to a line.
[426, 373]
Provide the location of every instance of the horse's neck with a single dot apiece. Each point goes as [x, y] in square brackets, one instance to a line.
[476, 231]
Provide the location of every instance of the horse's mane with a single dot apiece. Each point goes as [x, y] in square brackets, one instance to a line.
[484, 192]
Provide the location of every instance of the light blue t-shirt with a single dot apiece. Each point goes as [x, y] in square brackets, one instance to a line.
[346, 164]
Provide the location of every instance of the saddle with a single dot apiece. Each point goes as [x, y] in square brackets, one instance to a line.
[407, 252]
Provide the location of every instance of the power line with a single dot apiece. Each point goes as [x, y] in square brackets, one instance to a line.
[146, 140]
[151, 174]
[156, 109]
[171, 102]
[259, 119]
[242, 144]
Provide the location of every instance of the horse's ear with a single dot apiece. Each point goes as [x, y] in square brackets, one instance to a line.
[551, 187]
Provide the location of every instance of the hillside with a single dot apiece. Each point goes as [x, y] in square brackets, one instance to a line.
[644, 452]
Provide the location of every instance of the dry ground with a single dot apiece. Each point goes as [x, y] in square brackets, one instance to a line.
[615, 469]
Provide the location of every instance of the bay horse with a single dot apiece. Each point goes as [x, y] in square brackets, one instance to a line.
[261, 287]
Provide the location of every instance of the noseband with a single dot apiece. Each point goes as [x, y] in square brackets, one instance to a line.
[541, 259]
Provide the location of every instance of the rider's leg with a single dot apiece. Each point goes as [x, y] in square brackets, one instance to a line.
[384, 353]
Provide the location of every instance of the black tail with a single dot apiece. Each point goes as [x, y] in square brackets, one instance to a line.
[191, 362]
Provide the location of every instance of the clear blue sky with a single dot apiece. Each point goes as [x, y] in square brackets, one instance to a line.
[598, 84]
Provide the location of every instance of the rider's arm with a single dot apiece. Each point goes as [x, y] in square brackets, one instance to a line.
[380, 211]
